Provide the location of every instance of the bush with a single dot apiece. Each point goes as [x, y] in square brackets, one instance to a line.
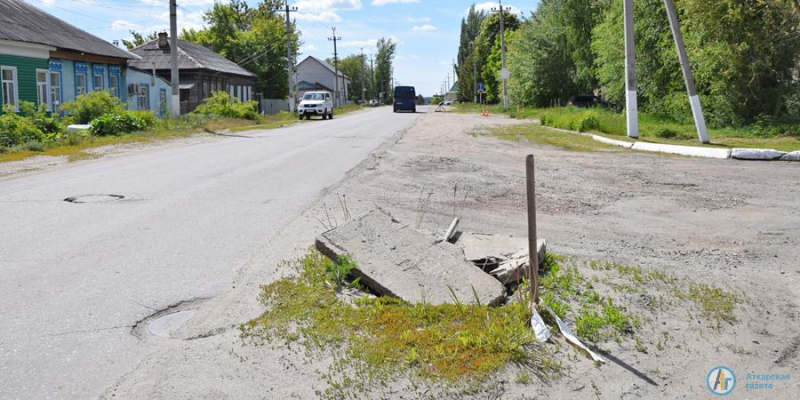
[147, 118]
[48, 124]
[666, 133]
[546, 119]
[33, 145]
[220, 104]
[15, 129]
[90, 106]
[589, 121]
[116, 124]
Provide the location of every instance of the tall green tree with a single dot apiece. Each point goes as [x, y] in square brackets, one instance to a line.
[489, 37]
[254, 37]
[355, 68]
[541, 59]
[470, 29]
[744, 54]
[138, 39]
[383, 67]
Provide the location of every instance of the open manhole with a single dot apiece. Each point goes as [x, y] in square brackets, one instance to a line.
[94, 198]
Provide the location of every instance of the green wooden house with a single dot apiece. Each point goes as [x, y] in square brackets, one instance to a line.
[47, 61]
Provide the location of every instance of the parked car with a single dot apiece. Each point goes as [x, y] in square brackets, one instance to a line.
[405, 99]
[316, 103]
[587, 101]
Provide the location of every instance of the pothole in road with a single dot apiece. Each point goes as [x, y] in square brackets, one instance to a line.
[94, 198]
[164, 326]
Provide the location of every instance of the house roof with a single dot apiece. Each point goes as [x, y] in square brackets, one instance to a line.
[190, 56]
[22, 22]
[308, 86]
[324, 64]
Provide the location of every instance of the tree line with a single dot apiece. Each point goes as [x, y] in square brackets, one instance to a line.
[255, 38]
[745, 55]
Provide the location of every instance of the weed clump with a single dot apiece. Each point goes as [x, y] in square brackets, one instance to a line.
[453, 343]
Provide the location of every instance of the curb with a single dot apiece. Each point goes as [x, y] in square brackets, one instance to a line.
[694, 151]
[683, 150]
[613, 142]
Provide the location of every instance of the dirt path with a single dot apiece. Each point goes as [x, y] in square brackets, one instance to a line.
[730, 224]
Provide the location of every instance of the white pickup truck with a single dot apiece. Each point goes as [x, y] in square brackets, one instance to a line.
[316, 103]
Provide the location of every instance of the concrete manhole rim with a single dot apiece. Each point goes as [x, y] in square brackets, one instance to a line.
[94, 198]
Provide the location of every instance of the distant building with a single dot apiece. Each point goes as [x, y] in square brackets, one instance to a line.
[315, 74]
[202, 72]
[47, 61]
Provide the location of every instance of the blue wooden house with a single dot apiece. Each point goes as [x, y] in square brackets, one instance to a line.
[47, 61]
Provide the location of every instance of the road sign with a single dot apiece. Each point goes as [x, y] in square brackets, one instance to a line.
[480, 86]
[505, 73]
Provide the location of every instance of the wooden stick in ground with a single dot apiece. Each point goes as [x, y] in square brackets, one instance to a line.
[533, 255]
[451, 230]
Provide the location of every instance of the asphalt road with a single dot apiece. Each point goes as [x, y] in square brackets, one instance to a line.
[75, 278]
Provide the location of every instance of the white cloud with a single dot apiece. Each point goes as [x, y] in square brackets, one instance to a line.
[307, 48]
[421, 19]
[122, 25]
[324, 10]
[424, 28]
[385, 2]
[359, 43]
[325, 16]
[328, 5]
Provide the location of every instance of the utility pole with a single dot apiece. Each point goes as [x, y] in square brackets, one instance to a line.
[335, 67]
[631, 106]
[372, 76]
[289, 58]
[474, 72]
[503, 70]
[175, 80]
[694, 99]
[363, 78]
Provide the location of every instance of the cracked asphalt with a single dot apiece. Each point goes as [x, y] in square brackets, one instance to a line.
[76, 278]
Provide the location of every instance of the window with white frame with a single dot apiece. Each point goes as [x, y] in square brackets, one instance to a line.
[9, 84]
[143, 92]
[80, 83]
[42, 88]
[55, 90]
[113, 85]
[98, 82]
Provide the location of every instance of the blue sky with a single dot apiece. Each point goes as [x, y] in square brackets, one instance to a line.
[427, 31]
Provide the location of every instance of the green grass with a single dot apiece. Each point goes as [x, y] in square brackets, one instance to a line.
[654, 128]
[537, 134]
[377, 340]
[454, 343]
[714, 304]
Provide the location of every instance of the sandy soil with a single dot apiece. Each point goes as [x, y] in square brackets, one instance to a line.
[728, 223]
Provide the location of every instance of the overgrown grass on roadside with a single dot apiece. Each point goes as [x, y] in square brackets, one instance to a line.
[378, 341]
[785, 137]
[379, 338]
[537, 134]
[713, 304]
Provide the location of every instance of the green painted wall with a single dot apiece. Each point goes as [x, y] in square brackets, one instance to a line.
[26, 74]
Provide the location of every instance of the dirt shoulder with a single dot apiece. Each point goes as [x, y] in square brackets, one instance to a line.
[735, 225]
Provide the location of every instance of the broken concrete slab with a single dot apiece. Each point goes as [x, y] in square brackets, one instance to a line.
[394, 260]
[517, 266]
[793, 156]
[757, 154]
[480, 246]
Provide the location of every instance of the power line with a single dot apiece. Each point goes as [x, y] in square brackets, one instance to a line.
[335, 65]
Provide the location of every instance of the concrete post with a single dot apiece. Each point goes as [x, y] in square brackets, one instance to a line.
[175, 80]
[694, 99]
[631, 106]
